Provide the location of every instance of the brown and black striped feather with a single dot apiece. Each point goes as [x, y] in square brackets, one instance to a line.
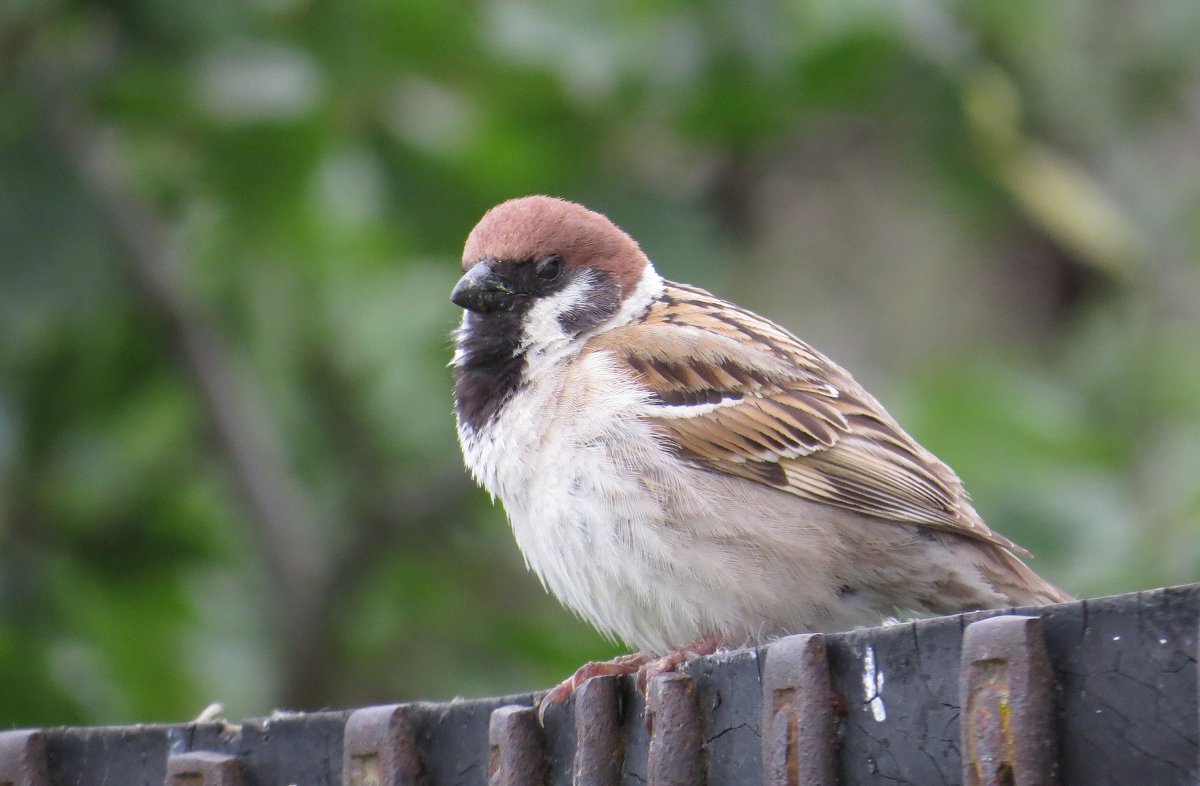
[790, 417]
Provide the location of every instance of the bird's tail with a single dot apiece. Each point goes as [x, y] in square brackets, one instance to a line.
[1018, 583]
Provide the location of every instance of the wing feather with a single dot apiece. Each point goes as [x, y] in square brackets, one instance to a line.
[737, 394]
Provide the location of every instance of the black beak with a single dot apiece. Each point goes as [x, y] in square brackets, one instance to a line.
[484, 291]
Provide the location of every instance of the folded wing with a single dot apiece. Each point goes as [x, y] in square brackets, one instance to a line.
[737, 394]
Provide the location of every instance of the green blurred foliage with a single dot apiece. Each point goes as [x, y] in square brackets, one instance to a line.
[989, 211]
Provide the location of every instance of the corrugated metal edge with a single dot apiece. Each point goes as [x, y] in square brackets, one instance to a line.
[23, 758]
[676, 732]
[212, 769]
[799, 725]
[380, 747]
[599, 744]
[515, 748]
[1007, 699]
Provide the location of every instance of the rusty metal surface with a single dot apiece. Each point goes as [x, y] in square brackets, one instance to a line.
[799, 724]
[1125, 710]
[897, 691]
[202, 768]
[515, 748]
[599, 744]
[280, 750]
[23, 758]
[729, 694]
[676, 756]
[1007, 696]
[380, 748]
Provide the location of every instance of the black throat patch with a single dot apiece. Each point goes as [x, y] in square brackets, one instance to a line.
[490, 370]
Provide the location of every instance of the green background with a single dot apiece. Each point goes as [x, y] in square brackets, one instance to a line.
[228, 231]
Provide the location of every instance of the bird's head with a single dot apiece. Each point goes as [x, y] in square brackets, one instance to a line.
[553, 267]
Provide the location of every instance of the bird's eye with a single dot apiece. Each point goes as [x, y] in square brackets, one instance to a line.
[549, 268]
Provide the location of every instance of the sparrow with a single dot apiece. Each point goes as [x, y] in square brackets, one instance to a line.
[685, 474]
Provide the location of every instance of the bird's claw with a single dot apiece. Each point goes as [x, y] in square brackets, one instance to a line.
[617, 667]
[674, 659]
[644, 667]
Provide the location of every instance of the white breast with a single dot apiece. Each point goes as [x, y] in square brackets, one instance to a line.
[566, 469]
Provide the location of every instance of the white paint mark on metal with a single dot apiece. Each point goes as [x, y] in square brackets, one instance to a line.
[873, 685]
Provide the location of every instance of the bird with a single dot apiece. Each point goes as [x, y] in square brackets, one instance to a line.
[686, 475]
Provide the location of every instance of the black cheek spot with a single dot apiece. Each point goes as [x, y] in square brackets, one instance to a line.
[601, 300]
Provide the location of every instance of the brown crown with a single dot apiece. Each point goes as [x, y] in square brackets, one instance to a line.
[533, 227]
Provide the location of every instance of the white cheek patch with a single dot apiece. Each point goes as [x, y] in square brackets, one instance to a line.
[544, 340]
[650, 286]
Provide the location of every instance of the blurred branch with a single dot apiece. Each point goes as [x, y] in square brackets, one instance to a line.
[386, 508]
[280, 514]
[1062, 197]
[731, 194]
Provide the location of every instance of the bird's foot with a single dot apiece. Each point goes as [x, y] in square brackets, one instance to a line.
[617, 667]
[652, 667]
[644, 666]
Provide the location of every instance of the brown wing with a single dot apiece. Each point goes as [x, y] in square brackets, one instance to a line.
[738, 394]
